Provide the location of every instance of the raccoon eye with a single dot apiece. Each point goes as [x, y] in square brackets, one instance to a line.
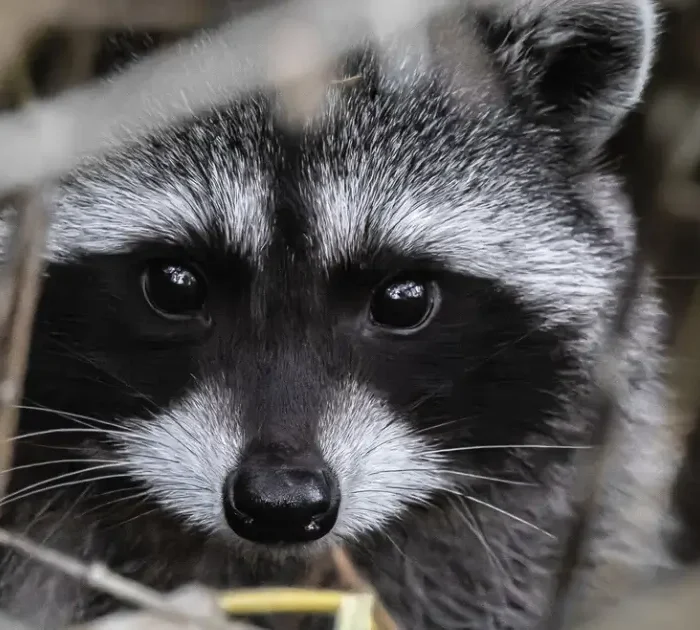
[174, 290]
[403, 303]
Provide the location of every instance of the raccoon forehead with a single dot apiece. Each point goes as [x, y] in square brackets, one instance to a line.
[205, 180]
[401, 172]
[483, 198]
[543, 261]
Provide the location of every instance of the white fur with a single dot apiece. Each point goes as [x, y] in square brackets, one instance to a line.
[184, 454]
[383, 466]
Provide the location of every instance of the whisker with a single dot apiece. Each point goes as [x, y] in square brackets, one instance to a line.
[55, 524]
[115, 491]
[133, 518]
[85, 460]
[54, 447]
[41, 512]
[401, 552]
[71, 351]
[421, 400]
[437, 426]
[506, 513]
[117, 430]
[68, 415]
[21, 494]
[105, 504]
[483, 447]
[394, 491]
[510, 482]
[62, 476]
[22, 436]
[496, 564]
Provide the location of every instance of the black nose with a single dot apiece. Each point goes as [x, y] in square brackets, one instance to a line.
[274, 504]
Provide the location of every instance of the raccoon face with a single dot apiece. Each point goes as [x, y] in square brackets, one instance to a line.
[298, 335]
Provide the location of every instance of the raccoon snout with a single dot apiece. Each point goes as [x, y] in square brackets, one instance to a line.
[273, 503]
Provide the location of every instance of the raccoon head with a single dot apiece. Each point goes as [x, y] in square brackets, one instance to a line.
[300, 334]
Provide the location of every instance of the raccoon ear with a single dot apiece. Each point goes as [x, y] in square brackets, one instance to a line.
[580, 64]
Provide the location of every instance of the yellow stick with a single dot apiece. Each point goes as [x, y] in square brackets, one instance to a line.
[294, 600]
[281, 600]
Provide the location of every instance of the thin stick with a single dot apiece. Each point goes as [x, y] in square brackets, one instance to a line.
[191, 76]
[19, 292]
[100, 577]
[352, 580]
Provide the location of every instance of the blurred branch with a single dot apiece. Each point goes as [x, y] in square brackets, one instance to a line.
[350, 579]
[19, 19]
[75, 62]
[45, 139]
[101, 578]
[19, 289]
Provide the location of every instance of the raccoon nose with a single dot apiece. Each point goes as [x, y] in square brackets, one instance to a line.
[281, 504]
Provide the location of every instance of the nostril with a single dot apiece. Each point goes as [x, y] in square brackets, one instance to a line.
[301, 494]
[271, 504]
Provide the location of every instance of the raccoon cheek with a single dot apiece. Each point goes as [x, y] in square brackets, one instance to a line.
[381, 464]
[183, 455]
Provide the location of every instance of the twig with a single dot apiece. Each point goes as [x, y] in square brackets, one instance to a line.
[189, 77]
[100, 577]
[19, 289]
[352, 580]
[20, 19]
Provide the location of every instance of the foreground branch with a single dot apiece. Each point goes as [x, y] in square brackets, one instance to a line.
[46, 139]
[19, 290]
[100, 577]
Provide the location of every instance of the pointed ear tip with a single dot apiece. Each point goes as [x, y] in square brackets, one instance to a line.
[587, 61]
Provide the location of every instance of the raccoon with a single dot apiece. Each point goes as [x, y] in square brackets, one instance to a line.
[380, 329]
